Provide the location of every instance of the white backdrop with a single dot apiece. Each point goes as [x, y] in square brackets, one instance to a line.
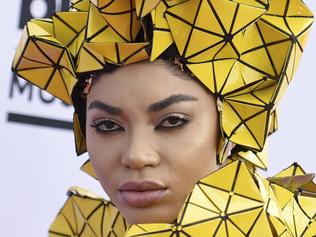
[38, 163]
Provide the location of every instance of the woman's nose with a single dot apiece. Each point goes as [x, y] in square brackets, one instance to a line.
[140, 152]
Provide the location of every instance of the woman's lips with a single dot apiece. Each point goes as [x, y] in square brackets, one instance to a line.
[142, 193]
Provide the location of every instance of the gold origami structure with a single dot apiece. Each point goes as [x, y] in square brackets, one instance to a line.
[244, 51]
[244, 205]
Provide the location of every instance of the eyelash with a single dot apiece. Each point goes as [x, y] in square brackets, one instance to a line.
[105, 121]
[179, 117]
[183, 118]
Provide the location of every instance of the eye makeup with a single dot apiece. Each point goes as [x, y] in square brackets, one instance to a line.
[106, 125]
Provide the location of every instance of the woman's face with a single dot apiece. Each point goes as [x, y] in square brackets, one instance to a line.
[151, 135]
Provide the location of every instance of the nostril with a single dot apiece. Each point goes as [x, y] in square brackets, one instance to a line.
[139, 159]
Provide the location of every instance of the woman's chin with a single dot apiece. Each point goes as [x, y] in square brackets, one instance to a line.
[134, 215]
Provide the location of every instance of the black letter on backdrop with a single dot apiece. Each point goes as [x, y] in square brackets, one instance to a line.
[65, 5]
[42, 95]
[26, 14]
[15, 83]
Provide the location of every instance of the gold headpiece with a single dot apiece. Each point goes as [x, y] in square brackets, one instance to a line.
[244, 51]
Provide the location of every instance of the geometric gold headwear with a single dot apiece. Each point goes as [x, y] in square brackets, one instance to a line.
[244, 51]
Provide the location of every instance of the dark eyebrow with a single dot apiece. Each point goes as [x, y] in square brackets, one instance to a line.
[170, 100]
[105, 107]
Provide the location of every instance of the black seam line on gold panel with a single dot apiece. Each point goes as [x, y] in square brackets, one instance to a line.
[86, 48]
[76, 231]
[87, 23]
[264, 45]
[301, 33]
[132, 12]
[224, 190]
[259, 82]
[95, 210]
[234, 19]
[196, 205]
[125, 224]
[54, 71]
[22, 53]
[64, 83]
[67, 221]
[205, 194]
[126, 40]
[283, 74]
[295, 228]
[215, 77]
[117, 51]
[106, 5]
[58, 233]
[96, 33]
[205, 49]
[39, 121]
[219, 217]
[142, 7]
[31, 68]
[254, 222]
[286, 8]
[217, 17]
[193, 26]
[246, 103]
[217, 227]
[287, 77]
[267, 51]
[244, 122]
[32, 60]
[288, 16]
[82, 214]
[261, 3]
[233, 185]
[117, 215]
[161, 29]
[186, 204]
[76, 36]
[51, 76]
[165, 3]
[102, 219]
[235, 49]
[257, 69]
[306, 228]
[234, 224]
[34, 40]
[223, 28]
[67, 24]
[258, 98]
[183, 233]
[153, 232]
[140, 227]
[275, 27]
[133, 54]
[226, 79]
[302, 209]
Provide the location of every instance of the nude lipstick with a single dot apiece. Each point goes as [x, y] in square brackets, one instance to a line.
[142, 193]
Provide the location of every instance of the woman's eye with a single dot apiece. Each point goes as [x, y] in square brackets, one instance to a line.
[106, 126]
[173, 121]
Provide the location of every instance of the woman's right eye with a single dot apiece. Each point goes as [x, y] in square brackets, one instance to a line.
[106, 126]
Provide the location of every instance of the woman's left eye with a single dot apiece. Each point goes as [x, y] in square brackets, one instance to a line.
[173, 121]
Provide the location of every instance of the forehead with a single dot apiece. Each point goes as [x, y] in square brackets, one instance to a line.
[146, 81]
